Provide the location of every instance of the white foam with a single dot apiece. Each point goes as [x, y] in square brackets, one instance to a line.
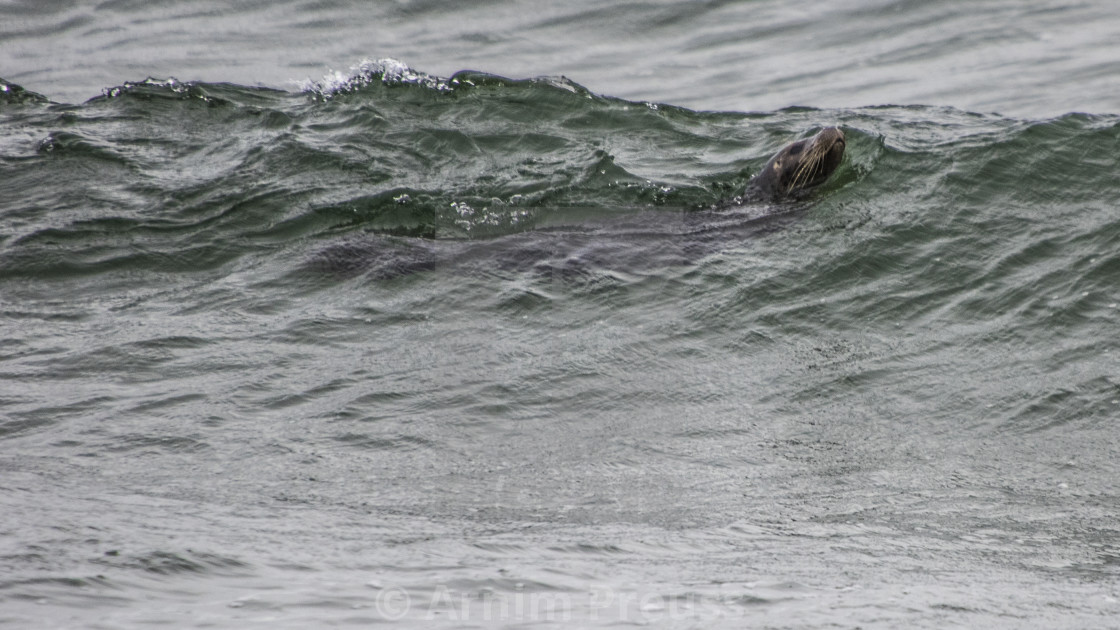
[387, 71]
[171, 83]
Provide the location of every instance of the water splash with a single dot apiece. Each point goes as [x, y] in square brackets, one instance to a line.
[386, 71]
[171, 84]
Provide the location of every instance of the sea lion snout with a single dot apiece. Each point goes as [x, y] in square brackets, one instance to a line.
[800, 166]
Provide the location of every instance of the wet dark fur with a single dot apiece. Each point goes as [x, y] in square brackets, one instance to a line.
[798, 167]
[629, 243]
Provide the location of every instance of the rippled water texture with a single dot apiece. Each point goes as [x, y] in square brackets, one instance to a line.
[1037, 58]
[329, 331]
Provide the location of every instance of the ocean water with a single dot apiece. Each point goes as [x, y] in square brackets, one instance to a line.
[426, 314]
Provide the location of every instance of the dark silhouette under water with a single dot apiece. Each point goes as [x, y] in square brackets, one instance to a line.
[635, 242]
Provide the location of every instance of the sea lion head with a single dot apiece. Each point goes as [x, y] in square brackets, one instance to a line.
[800, 166]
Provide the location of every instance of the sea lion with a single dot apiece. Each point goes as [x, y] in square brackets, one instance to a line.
[628, 242]
[798, 167]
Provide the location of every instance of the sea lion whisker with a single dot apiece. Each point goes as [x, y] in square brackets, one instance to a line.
[800, 166]
[809, 163]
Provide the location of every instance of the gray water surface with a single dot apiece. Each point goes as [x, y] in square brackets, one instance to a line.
[1030, 59]
[301, 341]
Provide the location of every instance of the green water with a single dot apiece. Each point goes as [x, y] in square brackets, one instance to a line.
[400, 335]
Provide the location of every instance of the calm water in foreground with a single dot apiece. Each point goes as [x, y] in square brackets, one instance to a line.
[307, 336]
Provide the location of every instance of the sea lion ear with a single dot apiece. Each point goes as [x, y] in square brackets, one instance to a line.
[777, 166]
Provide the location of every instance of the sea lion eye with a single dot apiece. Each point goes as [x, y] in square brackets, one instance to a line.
[795, 149]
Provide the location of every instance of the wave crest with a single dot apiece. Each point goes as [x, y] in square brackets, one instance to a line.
[10, 93]
[386, 71]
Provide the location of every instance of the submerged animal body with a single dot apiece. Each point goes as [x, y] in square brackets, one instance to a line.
[631, 242]
[798, 168]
